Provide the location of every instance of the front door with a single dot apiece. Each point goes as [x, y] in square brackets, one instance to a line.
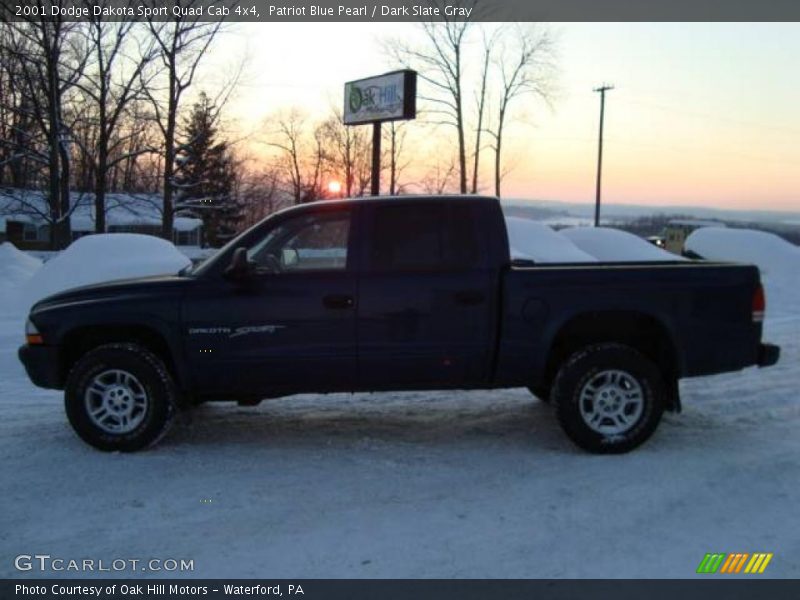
[291, 326]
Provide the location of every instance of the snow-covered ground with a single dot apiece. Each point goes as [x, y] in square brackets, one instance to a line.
[456, 484]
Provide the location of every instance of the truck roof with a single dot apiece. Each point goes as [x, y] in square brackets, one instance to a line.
[404, 198]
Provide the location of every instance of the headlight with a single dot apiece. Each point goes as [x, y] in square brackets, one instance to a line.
[32, 335]
[30, 328]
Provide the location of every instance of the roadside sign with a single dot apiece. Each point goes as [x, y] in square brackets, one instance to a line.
[388, 97]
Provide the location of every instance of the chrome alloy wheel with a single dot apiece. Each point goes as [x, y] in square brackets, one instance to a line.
[116, 401]
[611, 402]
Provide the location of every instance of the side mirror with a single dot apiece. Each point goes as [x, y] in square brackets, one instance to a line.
[240, 267]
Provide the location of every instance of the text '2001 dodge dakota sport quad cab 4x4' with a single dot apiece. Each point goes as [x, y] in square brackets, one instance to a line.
[405, 293]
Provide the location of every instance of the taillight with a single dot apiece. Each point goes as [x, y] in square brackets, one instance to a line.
[759, 304]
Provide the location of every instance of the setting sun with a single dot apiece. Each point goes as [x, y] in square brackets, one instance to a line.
[335, 187]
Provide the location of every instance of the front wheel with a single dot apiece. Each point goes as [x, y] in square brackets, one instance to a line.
[120, 397]
[609, 398]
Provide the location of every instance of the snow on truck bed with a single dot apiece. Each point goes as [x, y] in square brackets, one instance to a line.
[614, 245]
[540, 243]
[529, 240]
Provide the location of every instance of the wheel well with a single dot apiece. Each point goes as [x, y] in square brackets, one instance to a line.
[640, 331]
[79, 341]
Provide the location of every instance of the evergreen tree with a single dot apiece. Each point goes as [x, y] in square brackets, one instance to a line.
[204, 175]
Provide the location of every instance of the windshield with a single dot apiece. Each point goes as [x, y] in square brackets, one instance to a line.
[206, 264]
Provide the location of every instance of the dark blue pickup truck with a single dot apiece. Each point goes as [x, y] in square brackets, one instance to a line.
[403, 293]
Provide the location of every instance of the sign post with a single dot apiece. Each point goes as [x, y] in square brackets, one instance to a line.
[388, 97]
[375, 177]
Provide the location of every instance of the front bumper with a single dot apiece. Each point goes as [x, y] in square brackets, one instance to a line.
[768, 354]
[42, 365]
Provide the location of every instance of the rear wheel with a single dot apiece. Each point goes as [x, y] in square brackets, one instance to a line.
[609, 398]
[120, 397]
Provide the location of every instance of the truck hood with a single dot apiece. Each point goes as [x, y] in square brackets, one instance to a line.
[139, 287]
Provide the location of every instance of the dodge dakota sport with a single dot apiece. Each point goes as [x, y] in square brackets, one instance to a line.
[394, 293]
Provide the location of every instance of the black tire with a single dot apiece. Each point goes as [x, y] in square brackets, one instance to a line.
[541, 392]
[598, 384]
[150, 394]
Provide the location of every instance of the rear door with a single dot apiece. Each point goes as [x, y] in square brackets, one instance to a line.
[426, 295]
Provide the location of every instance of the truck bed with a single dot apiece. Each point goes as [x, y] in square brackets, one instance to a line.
[703, 309]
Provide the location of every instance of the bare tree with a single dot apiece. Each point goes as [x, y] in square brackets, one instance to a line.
[488, 42]
[182, 43]
[17, 130]
[440, 64]
[259, 192]
[51, 59]
[347, 152]
[287, 138]
[525, 65]
[115, 79]
[396, 135]
[440, 177]
[134, 156]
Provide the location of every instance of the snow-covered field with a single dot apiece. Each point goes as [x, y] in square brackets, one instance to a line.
[461, 484]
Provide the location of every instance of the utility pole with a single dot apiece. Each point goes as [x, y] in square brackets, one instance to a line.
[602, 89]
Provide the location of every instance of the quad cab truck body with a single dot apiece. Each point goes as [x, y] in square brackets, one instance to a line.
[394, 293]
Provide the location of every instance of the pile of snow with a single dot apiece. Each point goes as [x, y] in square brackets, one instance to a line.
[529, 240]
[104, 257]
[777, 259]
[614, 245]
[16, 268]
[770, 252]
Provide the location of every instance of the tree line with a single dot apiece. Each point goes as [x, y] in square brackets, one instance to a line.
[96, 107]
[99, 106]
[474, 80]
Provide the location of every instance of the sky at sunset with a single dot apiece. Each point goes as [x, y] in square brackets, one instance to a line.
[702, 114]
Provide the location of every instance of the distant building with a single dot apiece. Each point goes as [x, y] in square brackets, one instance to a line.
[677, 230]
[22, 222]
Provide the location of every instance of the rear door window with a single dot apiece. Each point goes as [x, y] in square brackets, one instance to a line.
[418, 236]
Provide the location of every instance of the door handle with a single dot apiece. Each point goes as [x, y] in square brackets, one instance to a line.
[470, 297]
[338, 301]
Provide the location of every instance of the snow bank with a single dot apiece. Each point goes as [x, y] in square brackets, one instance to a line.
[16, 268]
[770, 252]
[615, 245]
[534, 241]
[104, 257]
[777, 259]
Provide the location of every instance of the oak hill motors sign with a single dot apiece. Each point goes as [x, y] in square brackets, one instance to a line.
[388, 97]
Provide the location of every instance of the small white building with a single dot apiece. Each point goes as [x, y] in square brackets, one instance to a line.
[22, 219]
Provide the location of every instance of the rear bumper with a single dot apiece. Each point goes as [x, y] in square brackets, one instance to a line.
[768, 354]
[42, 365]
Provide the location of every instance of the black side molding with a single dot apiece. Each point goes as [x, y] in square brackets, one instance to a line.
[768, 354]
